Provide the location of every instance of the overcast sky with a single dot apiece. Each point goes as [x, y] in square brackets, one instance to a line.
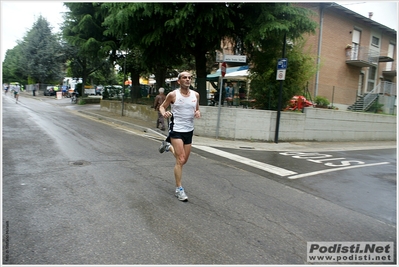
[17, 17]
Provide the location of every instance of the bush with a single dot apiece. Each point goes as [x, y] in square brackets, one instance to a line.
[376, 107]
[321, 101]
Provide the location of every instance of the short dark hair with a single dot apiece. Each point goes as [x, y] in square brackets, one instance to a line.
[179, 75]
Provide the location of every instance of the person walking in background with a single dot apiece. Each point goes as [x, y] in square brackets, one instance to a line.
[64, 91]
[16, 89]
[229, 94]
[157, 103]
[6, 86]
[184, 108]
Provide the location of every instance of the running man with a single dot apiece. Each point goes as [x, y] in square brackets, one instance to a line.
[16, 89]
[184, 108]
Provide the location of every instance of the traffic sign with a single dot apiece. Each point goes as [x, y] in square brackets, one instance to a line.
[280, 75]
[282, 64]
[223, 69]
[234, 58]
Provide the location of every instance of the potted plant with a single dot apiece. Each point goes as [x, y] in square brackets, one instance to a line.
[321, 102]
[348, 50]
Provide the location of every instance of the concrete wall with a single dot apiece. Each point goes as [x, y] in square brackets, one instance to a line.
[143, 112]
[249, 124]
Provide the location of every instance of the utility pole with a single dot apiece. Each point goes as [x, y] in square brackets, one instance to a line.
[223, 70]
[281, 68]
[124, 81]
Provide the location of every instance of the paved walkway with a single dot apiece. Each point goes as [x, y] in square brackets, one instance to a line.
[149, 127]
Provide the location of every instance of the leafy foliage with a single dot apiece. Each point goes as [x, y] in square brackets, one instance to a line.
[145, 38]
[87, 46]
[322, 101]
[37, 57]
[269, 26]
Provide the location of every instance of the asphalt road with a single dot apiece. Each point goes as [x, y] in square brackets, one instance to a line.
[81, 191]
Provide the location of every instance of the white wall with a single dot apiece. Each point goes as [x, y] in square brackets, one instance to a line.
[250, 124]
[312, 125]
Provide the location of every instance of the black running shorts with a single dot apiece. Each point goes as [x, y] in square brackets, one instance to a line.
[186, 137]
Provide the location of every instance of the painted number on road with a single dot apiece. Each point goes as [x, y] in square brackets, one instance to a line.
[327, 160]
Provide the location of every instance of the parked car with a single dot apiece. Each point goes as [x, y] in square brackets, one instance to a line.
[89, 90]
[49, 91]
[114, 90]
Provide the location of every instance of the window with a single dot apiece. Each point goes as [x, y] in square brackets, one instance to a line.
[391, 49]
[371, 78]
[375, 41]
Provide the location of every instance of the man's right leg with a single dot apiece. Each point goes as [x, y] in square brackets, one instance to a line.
[177, 149]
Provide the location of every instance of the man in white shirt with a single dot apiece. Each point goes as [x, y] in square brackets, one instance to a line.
[184, 108]
[17, 89]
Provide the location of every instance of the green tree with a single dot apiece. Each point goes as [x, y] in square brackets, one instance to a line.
[150, 49]
[162, 36]
[171, 34]
[82, 30]
[261, 38]
[37, 57]
[13, 68]
[42, 53]
[199, 28]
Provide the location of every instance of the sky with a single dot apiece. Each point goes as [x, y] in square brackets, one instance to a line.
[18, 17]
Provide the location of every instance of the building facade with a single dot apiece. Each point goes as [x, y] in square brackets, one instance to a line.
[356, 58]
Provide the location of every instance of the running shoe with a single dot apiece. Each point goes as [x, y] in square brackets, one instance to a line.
[164, 147]
[180, 194]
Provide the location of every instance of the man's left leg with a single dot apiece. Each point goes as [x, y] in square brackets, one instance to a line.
[181, 153]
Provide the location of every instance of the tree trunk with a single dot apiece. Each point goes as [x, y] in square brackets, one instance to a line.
[160, 75]
[200, 66]
[135, 89]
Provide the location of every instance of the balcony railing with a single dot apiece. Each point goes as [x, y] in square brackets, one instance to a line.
[361, 56]
[386, 88]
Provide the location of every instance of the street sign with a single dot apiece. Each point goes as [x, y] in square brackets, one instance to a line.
[280, 75]
[219, 56]
[282, 64]
[223, 69]
[281, 69]
[234, 58]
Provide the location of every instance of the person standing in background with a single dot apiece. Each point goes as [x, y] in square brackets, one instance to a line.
[35, 87]
[159, 99]
[56, 88]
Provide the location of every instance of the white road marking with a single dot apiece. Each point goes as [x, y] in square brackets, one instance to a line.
[335, 169]
[256, 164]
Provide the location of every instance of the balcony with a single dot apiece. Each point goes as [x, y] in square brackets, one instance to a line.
[390, 70]
[361, 57]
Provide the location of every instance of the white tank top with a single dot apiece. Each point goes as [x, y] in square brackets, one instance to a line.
[183, 110]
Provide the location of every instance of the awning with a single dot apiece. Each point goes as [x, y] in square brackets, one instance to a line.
[237, 75]
[214, 77]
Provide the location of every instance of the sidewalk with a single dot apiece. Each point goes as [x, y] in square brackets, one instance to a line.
[149, 128]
